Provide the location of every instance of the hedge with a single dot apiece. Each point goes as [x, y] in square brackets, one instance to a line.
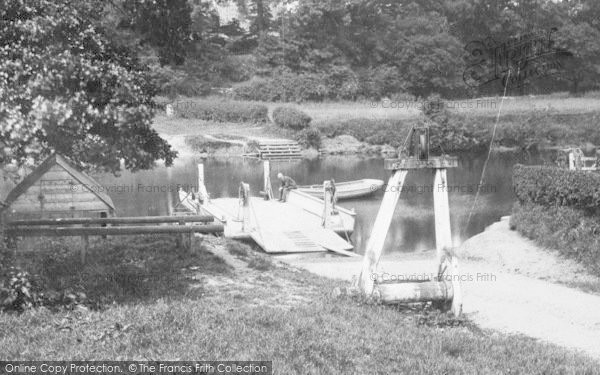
[291, 118]
[221, 111]
[552, 186]
[568, 230]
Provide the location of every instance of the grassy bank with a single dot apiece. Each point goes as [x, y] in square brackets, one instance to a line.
[524, 122]
[224, 301]
[566, 229]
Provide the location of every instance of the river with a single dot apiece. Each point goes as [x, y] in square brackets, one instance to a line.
[412, 229]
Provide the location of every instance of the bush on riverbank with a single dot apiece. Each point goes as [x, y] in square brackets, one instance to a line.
[373, 131]
[291, 118]
[536, 128]
[221, 111]
[552, 186]
[452, 132]
[309, 138]
[572, 232]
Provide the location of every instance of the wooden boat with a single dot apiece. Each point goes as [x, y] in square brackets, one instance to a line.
[346, 190]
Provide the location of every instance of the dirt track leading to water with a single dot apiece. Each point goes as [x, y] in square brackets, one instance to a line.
[510, 285]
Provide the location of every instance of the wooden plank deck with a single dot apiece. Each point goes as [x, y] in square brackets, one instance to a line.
[279, 149]
[277, 227]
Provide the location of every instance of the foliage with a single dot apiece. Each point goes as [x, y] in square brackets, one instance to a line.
[360, 38]
[582, 64]
[309, 138]
[552, 186]
[566, 229]
[163, 24]
[448, 132]
[174, 82]
[65, 87]
[291, 118]
[16, 292]
[284, 87]
[370, 130]
[221, 110]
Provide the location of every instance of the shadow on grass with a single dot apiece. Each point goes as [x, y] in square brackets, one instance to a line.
[119, 270]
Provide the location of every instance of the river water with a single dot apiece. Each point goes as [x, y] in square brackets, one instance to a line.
[412, 229]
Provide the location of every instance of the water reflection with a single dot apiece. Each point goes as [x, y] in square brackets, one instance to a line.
[412, 229]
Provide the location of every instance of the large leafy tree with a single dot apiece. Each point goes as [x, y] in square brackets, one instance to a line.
[399, 43]
[65, 88]
[582, 64]
[162, 24]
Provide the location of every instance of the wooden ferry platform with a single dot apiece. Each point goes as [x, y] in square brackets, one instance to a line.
[302, 224]
[295, 226]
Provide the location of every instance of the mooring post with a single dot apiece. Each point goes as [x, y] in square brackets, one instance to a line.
[86, 246]
[244, 194]
[326, 203]
[380, 229]
[268, 189]
[456, 307]
[441, 210]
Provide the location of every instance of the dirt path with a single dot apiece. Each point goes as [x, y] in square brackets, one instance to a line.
[496, 294]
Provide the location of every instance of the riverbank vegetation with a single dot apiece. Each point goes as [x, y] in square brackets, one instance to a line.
[143, 298]
[558, 208]
[453, 130]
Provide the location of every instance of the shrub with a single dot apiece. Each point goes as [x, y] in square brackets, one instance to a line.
[309, 138]
[221, 110]
[551, 186]
[568, 230]
[16, 292]
[291, 118]
[374, 131]
[257, 89]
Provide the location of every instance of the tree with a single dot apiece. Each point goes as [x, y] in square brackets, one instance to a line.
[163, 24]
[65, 88]
[582, 63]
[399, 43]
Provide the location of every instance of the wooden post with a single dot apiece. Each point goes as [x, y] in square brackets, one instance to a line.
[86, 245]
[380, 229]
[456, 307]
[326, 203]
[268, 189]
[571, 161]
[245, 202]
[202, 191]
[443, 236]
[181, 240]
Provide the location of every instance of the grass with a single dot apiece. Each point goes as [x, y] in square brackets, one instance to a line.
[570, 231]
[285, 315]
[525, 122]
[473, 107]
